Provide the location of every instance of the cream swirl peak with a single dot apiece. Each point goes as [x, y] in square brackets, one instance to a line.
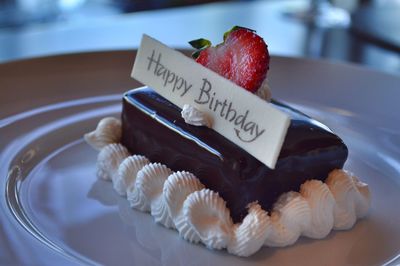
[195, 117]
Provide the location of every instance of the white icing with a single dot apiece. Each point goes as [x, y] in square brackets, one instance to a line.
[264, 92]
[148, 190]
[363, 200]
[290, 216]
[249, 236]
[352, 198]
[160, 212]
[321, 203]
[195, 117]
[109, 159]
[208, 215]
[107, 131]
[178, 186]
[127, 172]
[136, 199]
[179, 200]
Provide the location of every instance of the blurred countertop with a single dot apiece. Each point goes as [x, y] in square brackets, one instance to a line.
[285, 35]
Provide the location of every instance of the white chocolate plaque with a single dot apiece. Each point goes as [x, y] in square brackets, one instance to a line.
[240, 116]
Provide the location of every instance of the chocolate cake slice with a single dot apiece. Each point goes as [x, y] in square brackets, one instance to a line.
[152, 126]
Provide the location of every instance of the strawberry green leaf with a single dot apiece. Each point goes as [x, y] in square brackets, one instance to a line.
[200, 43]
[196, 54]
[235, 28]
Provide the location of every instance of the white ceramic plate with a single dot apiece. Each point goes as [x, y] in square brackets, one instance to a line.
[55, 211]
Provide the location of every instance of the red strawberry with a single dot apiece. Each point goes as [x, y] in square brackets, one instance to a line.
[242, 58]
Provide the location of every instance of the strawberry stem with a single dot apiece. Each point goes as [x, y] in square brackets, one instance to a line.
[200, 43]
[235, 28]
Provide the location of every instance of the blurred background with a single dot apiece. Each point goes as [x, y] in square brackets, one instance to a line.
[365, 32]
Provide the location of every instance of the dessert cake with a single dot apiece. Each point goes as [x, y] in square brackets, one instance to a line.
[210, 190]
[309, 150]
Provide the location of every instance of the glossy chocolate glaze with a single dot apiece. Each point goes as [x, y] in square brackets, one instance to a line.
[153, 127]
